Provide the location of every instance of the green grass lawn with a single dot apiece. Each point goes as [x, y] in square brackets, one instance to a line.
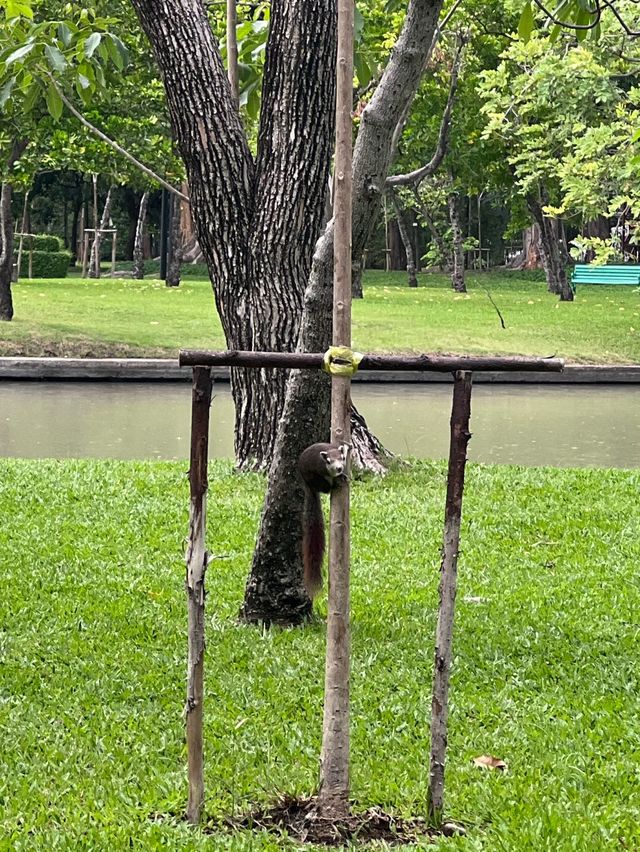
[92, 658]
[121, 317]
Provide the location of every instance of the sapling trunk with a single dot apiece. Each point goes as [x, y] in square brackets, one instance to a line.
[333, 798]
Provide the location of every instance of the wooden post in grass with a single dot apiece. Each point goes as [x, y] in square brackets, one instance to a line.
[460, 414]
[333, 797]
[196, 559]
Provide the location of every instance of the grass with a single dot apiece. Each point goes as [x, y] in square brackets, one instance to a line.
[92, 651]
[122, 317]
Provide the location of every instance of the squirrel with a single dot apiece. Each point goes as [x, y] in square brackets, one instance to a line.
[322, 467]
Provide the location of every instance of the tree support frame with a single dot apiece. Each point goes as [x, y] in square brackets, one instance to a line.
[197, 558]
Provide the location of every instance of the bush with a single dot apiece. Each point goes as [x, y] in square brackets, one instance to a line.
[41, 242]
[46, 264]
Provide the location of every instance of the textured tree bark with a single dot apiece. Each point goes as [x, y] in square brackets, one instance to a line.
[6, 253]
[6, 234]
[460, 413]
[457, 265]
[412, 278]
[256, 223]
[138, 246]
[274, 590]
[552, 259]
[175, 245]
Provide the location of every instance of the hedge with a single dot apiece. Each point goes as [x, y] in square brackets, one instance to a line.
[46, 264]
[41, 242]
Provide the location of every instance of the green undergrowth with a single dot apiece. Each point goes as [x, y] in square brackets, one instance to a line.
[92, 658]
[124, 318]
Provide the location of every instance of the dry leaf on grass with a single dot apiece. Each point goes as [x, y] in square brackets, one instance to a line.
[488, 761]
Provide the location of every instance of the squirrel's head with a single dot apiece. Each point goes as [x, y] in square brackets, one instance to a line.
[336, 460]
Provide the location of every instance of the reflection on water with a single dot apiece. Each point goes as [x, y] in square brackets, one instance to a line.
[563, 426]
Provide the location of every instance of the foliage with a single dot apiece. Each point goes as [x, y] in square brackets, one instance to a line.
[43, 242]
[114, 316]
[92, 682]
[46, 264]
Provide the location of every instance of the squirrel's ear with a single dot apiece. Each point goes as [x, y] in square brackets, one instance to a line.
[324, 456]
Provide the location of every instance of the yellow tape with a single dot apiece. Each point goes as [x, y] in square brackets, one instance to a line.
[341, 361]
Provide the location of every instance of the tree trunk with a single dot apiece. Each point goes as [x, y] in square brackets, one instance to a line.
[138, 245]
[274, 590]
[552, 260]
[257, 222]
[457, 265]
[397, 256]
[6, 235]
[94, 266]
[436, 236]
[412, 278]
[175, 244]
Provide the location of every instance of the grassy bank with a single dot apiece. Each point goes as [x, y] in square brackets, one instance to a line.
[93, 639]
[120, 317]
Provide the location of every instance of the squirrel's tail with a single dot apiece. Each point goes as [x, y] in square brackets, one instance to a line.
[312, 542]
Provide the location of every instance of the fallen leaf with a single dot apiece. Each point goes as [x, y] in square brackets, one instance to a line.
[488, 761]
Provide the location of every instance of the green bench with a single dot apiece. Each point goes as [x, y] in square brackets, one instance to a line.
[589, 273]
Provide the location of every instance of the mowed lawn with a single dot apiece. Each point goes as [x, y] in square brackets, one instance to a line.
[125, 317]
[92, 659]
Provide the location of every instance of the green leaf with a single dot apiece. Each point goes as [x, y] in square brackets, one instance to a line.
[5, 91]
[20, 53]
[54, 102]
[32, 96]
[91, 44]
[64, 34]
[55, 58]
[118, 52]
[18, 9]
[526, 23]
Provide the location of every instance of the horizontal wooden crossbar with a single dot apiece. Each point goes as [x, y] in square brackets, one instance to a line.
[370, 361]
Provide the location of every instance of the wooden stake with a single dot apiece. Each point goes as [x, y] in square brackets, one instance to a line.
[232, 51]
[460, 414]
[196, 559]
[333, 796]
[114, 238]
[85, 255]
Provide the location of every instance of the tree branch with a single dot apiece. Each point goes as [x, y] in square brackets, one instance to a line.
[149, 172]
[418, 175]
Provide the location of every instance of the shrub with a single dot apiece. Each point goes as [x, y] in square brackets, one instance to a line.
[46, 264]
[41, 242]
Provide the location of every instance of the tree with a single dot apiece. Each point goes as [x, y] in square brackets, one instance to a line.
[534, 101]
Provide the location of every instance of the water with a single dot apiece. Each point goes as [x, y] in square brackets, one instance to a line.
[562, 426]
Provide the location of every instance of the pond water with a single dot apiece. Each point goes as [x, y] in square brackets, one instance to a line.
[562, 426]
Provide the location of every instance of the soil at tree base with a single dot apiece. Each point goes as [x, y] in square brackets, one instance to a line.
[299, 818]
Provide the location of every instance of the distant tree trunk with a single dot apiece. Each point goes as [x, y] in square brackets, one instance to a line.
[175, 245]
[138, 245]
[356, 280]
[94, 266]
[397, 256]
[6, 236]
[552, 259]
[436, 236]
[412, 278]
[457, 266]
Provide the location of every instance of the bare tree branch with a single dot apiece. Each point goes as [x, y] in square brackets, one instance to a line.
[103, 136]
[418, 175]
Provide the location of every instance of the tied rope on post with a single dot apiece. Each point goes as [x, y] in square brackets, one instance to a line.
[341, 361]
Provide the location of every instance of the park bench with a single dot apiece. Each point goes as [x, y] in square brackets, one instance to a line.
[590, 273]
